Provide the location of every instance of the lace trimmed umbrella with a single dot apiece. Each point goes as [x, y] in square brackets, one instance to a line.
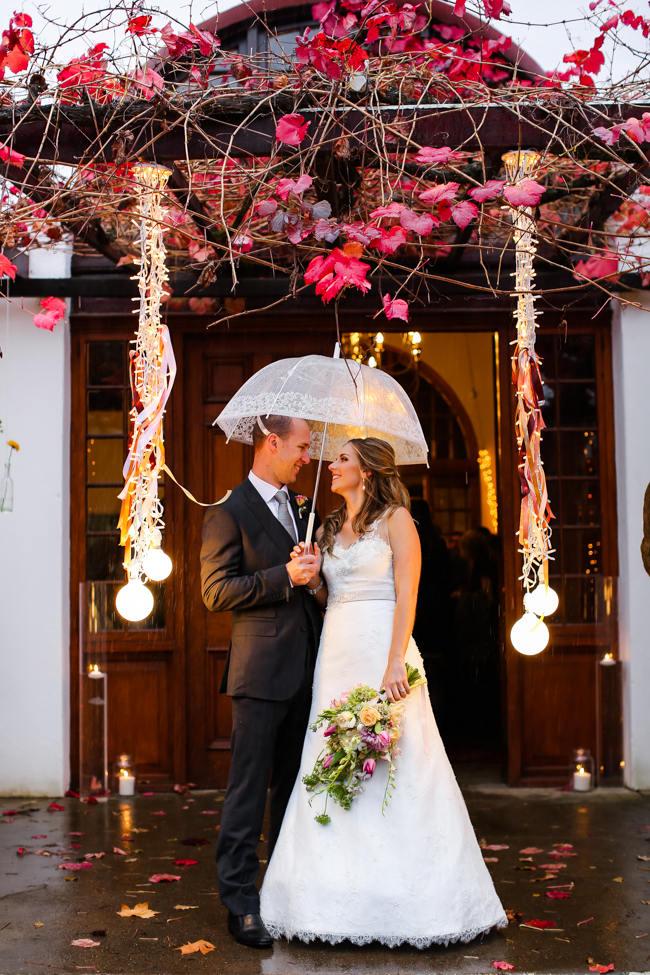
[339, 398]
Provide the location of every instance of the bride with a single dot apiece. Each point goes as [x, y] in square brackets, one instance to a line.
[413, 874]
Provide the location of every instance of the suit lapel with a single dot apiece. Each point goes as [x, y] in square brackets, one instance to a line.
[278, 534]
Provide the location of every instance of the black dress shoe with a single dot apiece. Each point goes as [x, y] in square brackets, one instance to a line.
[249, 930]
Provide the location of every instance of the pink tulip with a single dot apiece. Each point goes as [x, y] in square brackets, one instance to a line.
[329, 730]
[369, 766]
[384, 737]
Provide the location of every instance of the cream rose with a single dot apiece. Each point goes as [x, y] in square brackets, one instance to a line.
[369, 715]
[345, 720]
[397, 712]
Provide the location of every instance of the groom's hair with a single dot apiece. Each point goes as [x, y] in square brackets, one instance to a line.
[280, 425]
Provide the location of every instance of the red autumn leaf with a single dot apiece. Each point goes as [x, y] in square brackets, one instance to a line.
[74, 866]
[459, 8]
[429, 156]
[489, 191]
[463, 213]
[291, 129]
[53, 310]
[140, 25]
[335, 272]
[439, 192]
[206, 42]
[420, 223]
[296, 186]
[264, 208]
[527, 193]
[604, 266]
[396, 308]
[558, 895]
[531, 850]
[185, 863]
[541, 924]
[147, 83]
[11, 156]
[601, 968]
[7, 269]
[502, 966]
[163, 878]
[85, 943]
[392, 210]
[609, 136]
[390, 240]
[53, 806]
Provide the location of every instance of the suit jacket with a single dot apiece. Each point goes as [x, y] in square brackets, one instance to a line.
[275, 627]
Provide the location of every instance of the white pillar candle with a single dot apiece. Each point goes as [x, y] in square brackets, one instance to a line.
[581, 780]
[127, 783]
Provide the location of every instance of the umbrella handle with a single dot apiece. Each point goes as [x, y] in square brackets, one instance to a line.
[310, 530]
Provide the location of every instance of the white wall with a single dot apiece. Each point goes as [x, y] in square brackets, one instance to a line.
[34, 555]
[631, 354]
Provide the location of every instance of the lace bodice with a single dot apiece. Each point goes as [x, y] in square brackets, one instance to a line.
[362, 570]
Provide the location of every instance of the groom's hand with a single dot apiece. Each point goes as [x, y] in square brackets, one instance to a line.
[303, 568]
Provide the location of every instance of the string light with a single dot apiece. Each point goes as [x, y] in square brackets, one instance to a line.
[153, 370]
[485, 467]
[534, 527]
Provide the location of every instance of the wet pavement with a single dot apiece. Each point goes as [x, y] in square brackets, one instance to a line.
[598, 846]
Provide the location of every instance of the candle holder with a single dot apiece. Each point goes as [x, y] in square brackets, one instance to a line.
[583, 770]
[124, 775]
[93, 698]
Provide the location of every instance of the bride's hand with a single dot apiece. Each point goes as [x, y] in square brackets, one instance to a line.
[395, 681]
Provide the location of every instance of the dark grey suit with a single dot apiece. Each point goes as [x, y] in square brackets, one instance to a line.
[275, 633]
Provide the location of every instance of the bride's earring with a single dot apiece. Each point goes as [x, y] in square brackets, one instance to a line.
[363, 484]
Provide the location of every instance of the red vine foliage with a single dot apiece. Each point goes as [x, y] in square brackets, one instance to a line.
[328, 165]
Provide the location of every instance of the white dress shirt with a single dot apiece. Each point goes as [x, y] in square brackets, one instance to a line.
[267, 492]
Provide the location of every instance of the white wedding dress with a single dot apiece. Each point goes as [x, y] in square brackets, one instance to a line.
[414, 874]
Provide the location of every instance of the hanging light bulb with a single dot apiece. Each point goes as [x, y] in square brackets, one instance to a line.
[379, 341]
[372, 362]
[542, 601]
[134, 601]
[529, 635]
[156, 564]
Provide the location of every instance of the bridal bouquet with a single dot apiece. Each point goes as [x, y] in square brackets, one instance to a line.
[361, 728]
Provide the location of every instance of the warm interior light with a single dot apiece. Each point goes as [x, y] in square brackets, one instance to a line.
[134, 601]
[529, 635]
[372, 362]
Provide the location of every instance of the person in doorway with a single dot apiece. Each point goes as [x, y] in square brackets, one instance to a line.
[246, 567]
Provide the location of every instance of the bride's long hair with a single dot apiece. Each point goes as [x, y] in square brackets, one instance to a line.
[384, 490]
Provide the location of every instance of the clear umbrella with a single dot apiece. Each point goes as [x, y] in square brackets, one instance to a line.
[339, 398]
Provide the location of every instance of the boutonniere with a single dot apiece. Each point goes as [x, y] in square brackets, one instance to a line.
[303, 503]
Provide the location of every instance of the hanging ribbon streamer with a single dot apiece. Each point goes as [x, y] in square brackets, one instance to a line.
[535, 514]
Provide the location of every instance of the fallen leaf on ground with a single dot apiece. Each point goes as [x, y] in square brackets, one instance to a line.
[558, 894]
[513, 916]
[140, 910]
[203, 946]
[55, 807]
[541, 925]
[85, 943]
[185, 863]
[490, 859]
[496, 846]
[563, 847]
[119, 852]
[186, 907]
[586, 921]
[645, 902]
[552, 866]
[601, 968]
[531, 849]
[74, 866]
[94, 856]
[502, 966]
[618, 880]
[39, 924]
[642, 857]
[40, 836]
[163, 878]
[43, 853]
[215, 812]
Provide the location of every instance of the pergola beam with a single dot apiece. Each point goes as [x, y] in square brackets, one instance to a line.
[79, 134]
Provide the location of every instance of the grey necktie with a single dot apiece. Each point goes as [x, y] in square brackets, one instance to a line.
[284, 515]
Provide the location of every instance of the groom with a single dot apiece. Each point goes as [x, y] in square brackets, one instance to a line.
[246, 567]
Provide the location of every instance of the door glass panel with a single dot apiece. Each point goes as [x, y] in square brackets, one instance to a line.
[107, 363]
[104, 460]
[105, 412]
[103, 508]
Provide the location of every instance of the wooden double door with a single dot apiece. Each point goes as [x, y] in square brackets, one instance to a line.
[164, 677]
